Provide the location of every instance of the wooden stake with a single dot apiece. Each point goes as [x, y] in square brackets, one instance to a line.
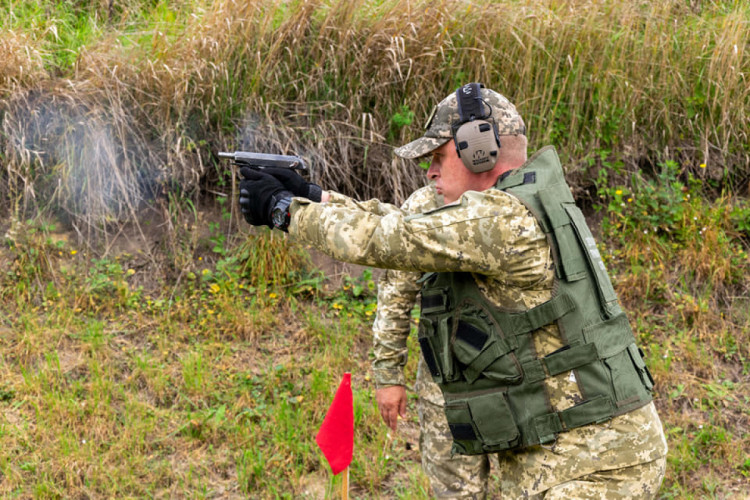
[345, 485]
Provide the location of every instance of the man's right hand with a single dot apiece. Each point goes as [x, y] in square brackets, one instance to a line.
[392, 404]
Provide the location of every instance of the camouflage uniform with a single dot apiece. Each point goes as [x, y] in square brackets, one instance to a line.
[513, 265]
[492, 235]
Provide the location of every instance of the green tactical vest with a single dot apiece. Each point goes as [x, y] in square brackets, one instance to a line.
[484, 360]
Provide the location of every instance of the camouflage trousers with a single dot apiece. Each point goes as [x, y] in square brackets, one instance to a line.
[456, 476]
[461, 476]
[640, 481]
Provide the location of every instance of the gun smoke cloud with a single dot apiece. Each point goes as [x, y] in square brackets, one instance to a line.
[69, 155]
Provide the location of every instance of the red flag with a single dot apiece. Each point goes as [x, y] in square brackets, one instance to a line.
[336, 434]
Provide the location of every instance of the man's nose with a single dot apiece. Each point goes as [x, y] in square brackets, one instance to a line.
[433, 172]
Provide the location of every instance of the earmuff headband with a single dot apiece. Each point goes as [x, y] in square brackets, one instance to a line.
[470, 104]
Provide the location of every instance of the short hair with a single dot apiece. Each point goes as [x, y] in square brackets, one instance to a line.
[513, 150]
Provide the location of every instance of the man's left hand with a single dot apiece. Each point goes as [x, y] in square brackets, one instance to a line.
[392, 404]
[259, 194]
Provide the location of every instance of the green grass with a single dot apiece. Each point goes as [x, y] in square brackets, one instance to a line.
[124, 379]
[209, 388]
[681, 265]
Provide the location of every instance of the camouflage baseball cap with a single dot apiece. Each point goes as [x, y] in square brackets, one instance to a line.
[445, 115]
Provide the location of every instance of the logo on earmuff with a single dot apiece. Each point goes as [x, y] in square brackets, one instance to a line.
[479, 157]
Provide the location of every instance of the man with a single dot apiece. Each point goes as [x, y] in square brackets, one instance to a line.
[525, 351]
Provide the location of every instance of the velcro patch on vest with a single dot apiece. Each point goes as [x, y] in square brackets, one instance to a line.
[472, 335]
[462, 432]
[434, 302]
[429, 357]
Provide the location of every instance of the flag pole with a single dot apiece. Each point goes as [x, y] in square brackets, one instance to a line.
[345, 485]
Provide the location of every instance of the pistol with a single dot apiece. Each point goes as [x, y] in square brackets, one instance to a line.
[263, 160]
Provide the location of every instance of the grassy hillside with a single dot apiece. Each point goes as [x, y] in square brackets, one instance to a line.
[153, 346]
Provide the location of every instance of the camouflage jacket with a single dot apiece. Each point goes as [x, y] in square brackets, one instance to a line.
[492, 235]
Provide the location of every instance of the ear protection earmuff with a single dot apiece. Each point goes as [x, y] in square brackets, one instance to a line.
[475, 134]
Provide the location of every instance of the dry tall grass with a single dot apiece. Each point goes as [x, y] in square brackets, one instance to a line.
[157, 90]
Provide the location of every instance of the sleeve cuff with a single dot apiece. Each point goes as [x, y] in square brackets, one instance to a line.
[315, 193]
[384, 378]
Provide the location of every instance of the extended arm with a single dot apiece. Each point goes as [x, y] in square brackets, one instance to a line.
[484, 233]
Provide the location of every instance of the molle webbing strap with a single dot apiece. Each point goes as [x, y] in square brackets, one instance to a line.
[533, 371]
[598, 409]
[537, 317]
[547, 427]
[607, 340]
[561, 361]
[570, 359]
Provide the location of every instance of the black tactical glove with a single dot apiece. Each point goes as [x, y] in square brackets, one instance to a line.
[263, 200]
[293, 182]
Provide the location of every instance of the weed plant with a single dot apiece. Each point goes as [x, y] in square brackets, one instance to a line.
[682, 270]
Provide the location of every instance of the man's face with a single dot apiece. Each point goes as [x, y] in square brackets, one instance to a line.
[452, 178]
